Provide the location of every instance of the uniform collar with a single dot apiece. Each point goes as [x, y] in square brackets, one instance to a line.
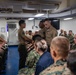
[60, 62]
[50, 28]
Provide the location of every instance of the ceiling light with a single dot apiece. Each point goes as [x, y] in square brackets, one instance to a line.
[30, 18]
[55, 20]
[68, 18]
[39, 15]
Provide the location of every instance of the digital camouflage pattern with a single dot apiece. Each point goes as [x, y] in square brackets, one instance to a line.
[58, 68]
[71, 38]
[31, 63]
[73, 47]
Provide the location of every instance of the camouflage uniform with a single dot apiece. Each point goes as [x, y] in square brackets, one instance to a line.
[50, 34]
[21, 36]
[31, 63]
[73, 47]
[65, 35]
[22, 48]
[71, 38]
[58, 68]
[61, 34]
[42, 32]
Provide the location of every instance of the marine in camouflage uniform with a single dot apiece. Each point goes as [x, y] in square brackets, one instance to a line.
[73, 47]
[71, 38]
[31, 60]
[65, 34]
[50, 34]
[61, 32]
[42, 29]
[21, 47]
[58, 68]
[42, 33]
[59, 51]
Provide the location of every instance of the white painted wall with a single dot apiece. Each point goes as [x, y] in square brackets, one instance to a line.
[3, 26]
[13, 34]
[68, 25]
[65, 25]
[29, 25]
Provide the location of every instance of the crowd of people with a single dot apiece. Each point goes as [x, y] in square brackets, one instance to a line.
[71, 37]
[45, 52]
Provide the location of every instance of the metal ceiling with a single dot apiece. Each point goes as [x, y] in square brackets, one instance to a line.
[27, 6]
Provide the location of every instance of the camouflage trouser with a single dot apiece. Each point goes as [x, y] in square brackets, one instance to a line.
[26, 71]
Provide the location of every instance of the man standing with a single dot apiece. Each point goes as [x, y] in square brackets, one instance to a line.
[59, 52]
[50, 32]
[61, 32]
[73, 46]
[71, 36]
[22, 49]
[42, 29]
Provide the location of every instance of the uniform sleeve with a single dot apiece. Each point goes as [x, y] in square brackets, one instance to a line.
[55, 33]
[41, 33]
[30, 59]
[67, 72]
[22, 34]
[44, 72]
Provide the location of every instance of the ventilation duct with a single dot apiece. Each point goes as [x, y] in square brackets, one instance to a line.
[50, 6]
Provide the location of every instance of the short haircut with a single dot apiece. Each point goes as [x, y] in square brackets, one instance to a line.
[30, 30]
[42, 20]
[47, 19]
[71, 61]
[62, 45]
[21, 22]
[70, 30]
[36, 37]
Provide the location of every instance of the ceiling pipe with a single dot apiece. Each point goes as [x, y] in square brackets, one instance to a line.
[22, 15]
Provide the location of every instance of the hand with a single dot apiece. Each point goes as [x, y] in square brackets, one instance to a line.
[33, 74]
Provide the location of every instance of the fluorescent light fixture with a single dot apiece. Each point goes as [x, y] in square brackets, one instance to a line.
[68, 18]
[30, 18]
[55, 20]
[39, 15]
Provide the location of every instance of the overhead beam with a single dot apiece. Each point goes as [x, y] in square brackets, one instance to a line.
[22, 15]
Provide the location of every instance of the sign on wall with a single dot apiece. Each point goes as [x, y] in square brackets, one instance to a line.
[3, 29]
